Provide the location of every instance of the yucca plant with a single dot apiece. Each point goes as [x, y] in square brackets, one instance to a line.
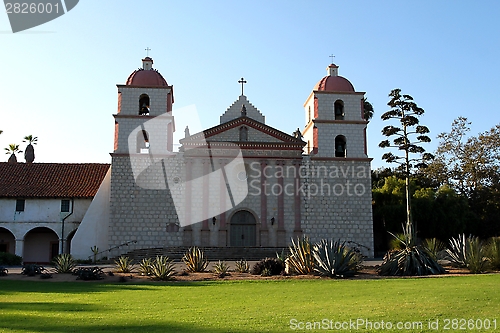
[335, 259]
[145, 266]
[457, 252]
[433, 246]
[221, 269]
[64, 263]
[412, 260]
[195, 260]
[162, 268]
[395, 243]
[242, 266]
[477, 262]
[301, 260]
[124, 264]
[493, 252]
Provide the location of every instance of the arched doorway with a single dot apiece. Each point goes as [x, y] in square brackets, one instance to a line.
[41, 245]
[243, 229]
[7, 241]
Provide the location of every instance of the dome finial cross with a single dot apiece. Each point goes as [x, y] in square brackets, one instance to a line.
[147, 49]
[332, 56]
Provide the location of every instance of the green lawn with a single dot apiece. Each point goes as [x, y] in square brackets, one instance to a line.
[246, 306]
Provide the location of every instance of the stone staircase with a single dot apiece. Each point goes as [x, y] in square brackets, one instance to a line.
[211, 253]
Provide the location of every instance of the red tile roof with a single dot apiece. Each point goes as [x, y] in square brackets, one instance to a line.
[51, 180]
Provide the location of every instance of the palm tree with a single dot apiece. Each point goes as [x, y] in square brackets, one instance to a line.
[13, 149]
[29, 153]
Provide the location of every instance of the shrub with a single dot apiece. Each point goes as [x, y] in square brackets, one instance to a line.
[32, 269]
[162, 268]
[433, 246]
[221, 269]
[195, 260]
[395, 243]
[411, 260]
[476, 259]
[301, 260]
[124, 264]
[3, 271]
[145, 266]
[334, 259]
[493, 252]
[242, 266]
[10, 259]
[88, 273]
[64, 263]
[273, 266]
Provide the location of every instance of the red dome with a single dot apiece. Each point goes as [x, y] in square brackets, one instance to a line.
[334, 83]
[150, 78]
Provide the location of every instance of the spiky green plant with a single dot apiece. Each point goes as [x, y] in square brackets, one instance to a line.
[64, 263]
[477, 262]
[433, 246]
[395, 242]
[457, 252]
[195, 260]
[145, 266]
[162, 268]
[124, 264]
[221, 269]
[335, 259]
[412, 260]
[242, 266]
[493, 252]
[301, 260]
[266, 272]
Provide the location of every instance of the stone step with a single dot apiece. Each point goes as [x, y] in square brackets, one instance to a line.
[211, 253]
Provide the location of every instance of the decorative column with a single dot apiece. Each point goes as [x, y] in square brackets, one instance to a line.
[264, 232]
[187, 234]
[205, 229]
[222, 237]
[281, 233]
[297, 231]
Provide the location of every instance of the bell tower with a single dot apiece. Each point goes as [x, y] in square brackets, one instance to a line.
[335, 127]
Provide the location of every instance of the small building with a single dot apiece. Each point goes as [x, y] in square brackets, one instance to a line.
[42, 206]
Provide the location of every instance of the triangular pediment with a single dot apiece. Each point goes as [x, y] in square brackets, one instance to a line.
[234, 111]
[257, 135]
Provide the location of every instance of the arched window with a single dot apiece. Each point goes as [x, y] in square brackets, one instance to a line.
[340, 146]
[144, 105]
[338, 108]
[142, 142]
[243, 133]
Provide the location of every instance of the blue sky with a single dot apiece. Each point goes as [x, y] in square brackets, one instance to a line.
[58, 80]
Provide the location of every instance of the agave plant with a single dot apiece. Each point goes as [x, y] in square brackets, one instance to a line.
[493, 252]
[411, 260]
[221, 269]
[162, 268]
[335, 259]
[124, 264]
[433, 246]
[145, 267]
[242, 266]
[195, 260]
[477, 262]
[300, 260]
[457, 253]
[64, 263]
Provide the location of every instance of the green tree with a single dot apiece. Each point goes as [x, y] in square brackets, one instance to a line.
[12, 150]
[29, 152]
[405, 111]
[367, 110]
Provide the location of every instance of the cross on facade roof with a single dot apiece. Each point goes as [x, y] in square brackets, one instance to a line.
[242, 81]
[147, 49]
[332, 56]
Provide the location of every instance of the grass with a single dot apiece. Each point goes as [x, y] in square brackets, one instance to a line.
[241, 306]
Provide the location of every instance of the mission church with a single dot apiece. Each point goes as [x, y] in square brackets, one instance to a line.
[239, 184]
